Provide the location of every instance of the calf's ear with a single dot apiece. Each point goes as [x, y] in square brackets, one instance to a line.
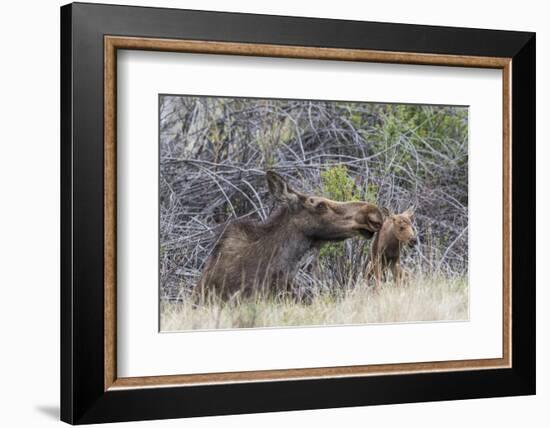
[409, 212]
[280, 189]
[385, 211]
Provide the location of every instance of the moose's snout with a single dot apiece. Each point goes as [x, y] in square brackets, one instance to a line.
[370, 220]
[376, 225]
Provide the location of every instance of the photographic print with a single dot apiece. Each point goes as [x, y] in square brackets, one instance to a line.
[287, 213]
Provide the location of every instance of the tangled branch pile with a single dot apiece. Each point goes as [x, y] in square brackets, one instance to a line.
[214, 153]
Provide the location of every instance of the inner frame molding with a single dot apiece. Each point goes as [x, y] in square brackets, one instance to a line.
[113, 43]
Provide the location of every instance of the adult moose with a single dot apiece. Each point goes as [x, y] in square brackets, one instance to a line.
[255, 257]
[396, 232]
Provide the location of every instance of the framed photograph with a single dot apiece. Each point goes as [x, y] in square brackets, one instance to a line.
[266, 213]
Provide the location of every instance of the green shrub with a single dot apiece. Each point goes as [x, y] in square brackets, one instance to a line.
[338, 185]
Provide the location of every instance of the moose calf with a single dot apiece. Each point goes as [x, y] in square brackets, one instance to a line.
[252, 256]
[396, 232]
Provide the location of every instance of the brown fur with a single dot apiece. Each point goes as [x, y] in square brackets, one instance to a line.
[263, 257]
[396, 232]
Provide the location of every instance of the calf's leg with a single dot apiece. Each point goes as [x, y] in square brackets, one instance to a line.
[397, 273]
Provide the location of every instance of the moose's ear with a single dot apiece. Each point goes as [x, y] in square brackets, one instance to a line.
[385, 211]
[280, 189]
[409, 212]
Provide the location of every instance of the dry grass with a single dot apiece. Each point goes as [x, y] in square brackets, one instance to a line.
[423, 299]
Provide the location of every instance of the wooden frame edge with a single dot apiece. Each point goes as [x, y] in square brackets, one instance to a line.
[301, 52]
[308, 373]
[112, 43]
[109, 198]
[507, 213]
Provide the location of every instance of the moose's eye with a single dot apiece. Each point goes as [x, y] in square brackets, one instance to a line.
[321, 206]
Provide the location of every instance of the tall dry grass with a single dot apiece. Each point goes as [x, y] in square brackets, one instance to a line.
[422, 299]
